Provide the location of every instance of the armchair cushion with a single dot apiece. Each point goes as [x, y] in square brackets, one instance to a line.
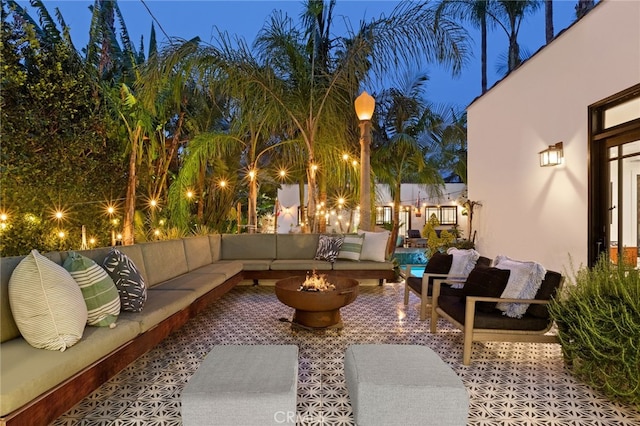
[548, 289]
[413, 233]
[439, 263]
[416, 284]
[486, 282]
[455, 307]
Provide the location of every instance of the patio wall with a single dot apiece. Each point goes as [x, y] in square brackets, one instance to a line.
[540, 213]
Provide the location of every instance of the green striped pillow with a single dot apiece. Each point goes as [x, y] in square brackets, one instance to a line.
[98, 289]
[46, 303]
[351, 247]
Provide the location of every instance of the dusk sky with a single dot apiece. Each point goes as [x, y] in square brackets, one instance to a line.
[187, 19]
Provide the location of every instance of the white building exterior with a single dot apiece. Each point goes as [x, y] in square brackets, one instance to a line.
[542, 213]
[414, 198]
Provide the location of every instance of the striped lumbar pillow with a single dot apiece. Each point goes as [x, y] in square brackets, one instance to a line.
[351, 247]
[130, 284]
[99, 292]
[46, 303]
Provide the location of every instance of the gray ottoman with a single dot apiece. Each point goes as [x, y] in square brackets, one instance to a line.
[403, 385]
[243, 385]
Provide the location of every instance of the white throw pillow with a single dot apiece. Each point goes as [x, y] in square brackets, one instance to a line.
[46, 303]
[374, 246]
[463, 261]
[524, 282]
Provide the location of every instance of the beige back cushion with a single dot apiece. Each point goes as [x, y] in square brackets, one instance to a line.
[297, 246]
[134, 252]
[198, 251]
[8, 328]
[163, 260]
[215, 243]
[248, 246]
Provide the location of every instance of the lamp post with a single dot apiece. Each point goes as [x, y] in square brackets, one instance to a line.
[365, 104]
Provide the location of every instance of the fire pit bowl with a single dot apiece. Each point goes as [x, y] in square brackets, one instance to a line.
[317, 309]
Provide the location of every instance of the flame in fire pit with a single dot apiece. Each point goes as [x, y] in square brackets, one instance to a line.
[316, 282]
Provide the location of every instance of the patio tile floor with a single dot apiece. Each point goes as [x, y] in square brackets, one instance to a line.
[508, 383]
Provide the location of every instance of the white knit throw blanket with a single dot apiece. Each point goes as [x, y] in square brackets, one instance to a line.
[525, 279]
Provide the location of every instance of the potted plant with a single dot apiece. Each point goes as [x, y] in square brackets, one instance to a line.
[598, 319]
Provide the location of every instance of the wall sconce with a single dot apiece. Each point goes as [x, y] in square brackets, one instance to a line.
[552, 156]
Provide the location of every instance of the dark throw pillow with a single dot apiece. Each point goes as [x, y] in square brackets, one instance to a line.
[328, 247]
[439, 263]
[486, 282]
[130, 284]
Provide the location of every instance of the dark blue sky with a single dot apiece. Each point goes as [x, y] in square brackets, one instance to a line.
[187, 19]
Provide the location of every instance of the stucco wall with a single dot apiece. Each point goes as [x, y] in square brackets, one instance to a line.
[540, 213]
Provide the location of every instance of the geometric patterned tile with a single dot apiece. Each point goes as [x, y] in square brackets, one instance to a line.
[508, 383]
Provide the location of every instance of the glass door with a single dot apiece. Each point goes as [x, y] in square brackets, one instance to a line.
[614, 178]
[624, 185]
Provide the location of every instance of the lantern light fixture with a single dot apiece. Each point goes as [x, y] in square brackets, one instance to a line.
[364, 105]
[552, 156]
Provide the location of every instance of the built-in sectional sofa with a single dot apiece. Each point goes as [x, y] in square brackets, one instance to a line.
[182, 277]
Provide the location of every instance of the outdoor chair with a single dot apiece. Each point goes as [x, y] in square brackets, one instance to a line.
[439, 266]
[475, 312]
[414, 239]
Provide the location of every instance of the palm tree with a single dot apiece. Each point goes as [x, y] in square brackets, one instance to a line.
[583, 7]
[304, 81]
[548, 20]
[398, 155]
[312, 89]
[116, 68]
[475, 12]
[508, 15]
[447, 144]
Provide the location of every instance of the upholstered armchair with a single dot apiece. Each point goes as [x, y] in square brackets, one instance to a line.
[474, 309]
[439, 266]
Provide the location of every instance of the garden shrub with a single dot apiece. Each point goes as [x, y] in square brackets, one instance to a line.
[598, 318]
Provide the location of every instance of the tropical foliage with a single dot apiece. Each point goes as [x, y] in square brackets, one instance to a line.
[56, 153]
[136, 143]
[598, 318]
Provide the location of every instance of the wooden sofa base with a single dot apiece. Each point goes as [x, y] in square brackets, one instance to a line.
[380, 275]
[52, 404]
